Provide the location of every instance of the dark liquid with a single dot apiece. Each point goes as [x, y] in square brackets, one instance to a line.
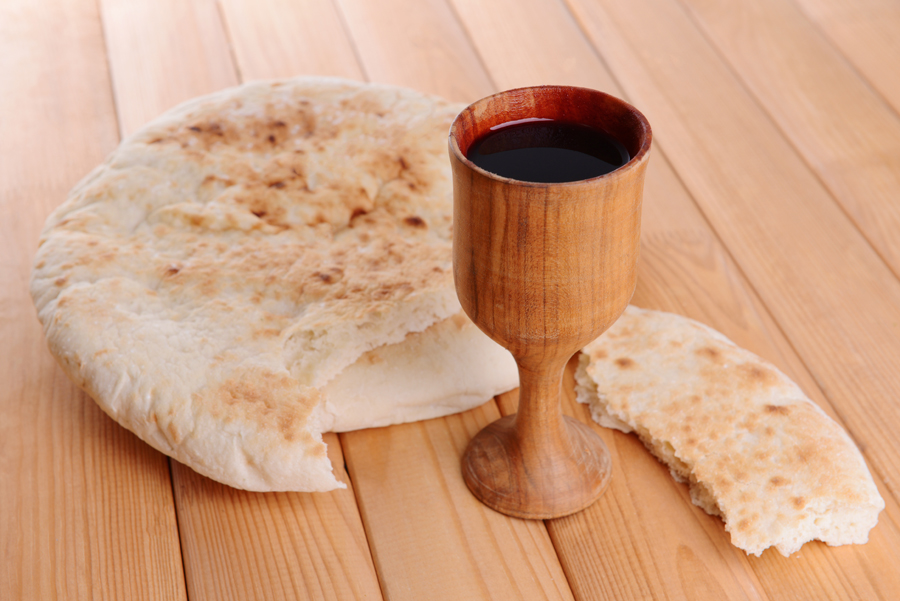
[545, 151]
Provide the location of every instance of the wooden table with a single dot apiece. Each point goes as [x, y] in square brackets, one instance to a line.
[772, 213]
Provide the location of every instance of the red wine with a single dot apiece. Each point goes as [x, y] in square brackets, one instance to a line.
[547, 151]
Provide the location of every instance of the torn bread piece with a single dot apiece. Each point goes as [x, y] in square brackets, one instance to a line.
[752, 447]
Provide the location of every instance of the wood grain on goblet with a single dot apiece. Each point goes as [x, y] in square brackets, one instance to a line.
[543, 269]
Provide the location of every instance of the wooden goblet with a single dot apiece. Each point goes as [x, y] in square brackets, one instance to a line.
[543, 269]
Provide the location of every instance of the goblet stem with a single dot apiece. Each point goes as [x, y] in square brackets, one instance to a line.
[539, 421]
[537, 464]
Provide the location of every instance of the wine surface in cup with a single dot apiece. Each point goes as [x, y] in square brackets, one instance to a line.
[547, 151]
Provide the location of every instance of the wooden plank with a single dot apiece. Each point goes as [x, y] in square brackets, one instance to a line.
[684, 268]
[430, 537]
[533, 43]
[836, 301]
[416, 44]
[147, 80]
[244, 545]
[839, 125]
[237, 545]
[85, 508]
[284, 38]
[866, 32]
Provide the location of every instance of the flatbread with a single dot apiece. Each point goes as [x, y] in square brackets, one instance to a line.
[211, 283]
[753, 448]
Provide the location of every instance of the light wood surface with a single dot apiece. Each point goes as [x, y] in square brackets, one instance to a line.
[769, 213]
[865, 31]
[408, 474]
[241, 545]
[798, 68]
[86, 508]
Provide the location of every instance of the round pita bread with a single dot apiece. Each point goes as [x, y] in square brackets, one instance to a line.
[753, 448]
[212, 281]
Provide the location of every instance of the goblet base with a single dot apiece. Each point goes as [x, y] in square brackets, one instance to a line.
[519, 478]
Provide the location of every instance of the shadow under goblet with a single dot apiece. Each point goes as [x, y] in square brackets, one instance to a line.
[543, 269]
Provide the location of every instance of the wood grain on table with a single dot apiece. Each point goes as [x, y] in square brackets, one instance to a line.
[771, 213]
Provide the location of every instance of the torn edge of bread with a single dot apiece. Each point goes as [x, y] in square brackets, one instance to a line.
[587, 394]
[833, 522]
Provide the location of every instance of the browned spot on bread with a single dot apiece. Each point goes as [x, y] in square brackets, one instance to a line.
[247, 131]
[599, 354]
[271, 401]
[260, 214]
[757, 375]
[172, 270]
[278, 185]
[798, 502]
[266, 333]
[357, 212]
[708, 352]
[329, 276]
[625, 363]
[415, 221]
[778, 409]
[61, 281]
[762, 455]
[286, 427]
[777, 481]
[211, 179]
[743, 525]
[750, 422]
